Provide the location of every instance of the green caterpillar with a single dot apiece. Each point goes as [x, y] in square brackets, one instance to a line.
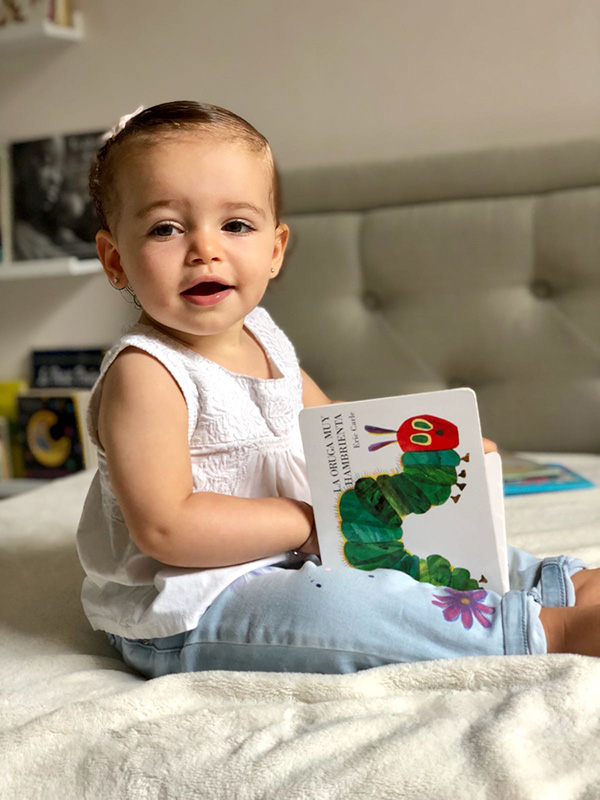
[371, 514]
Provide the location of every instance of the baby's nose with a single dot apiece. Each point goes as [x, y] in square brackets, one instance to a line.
[205, 247]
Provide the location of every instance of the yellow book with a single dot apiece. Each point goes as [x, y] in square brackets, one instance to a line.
[9, 392]
[63, 13]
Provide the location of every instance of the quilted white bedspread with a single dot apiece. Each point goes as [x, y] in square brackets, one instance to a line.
[75, 723]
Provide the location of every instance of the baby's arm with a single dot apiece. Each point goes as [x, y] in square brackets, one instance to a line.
[311, 394]
[143, 430]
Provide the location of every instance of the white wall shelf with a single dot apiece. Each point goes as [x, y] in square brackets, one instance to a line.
[49, 268]
[21, 35]
[15, 486]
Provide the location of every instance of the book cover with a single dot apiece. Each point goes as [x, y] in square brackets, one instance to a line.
[6, 472]
[53, 433]
[523, 476]
[62, 13]
[401, 483]
[9, 392]
[66, 368]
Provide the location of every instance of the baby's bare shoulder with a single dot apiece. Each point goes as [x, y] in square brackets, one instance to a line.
[135, 385]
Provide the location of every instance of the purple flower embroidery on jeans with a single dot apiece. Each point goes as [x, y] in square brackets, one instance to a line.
[466, 605]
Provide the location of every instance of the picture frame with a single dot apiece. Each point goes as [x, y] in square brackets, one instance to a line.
[46, 209]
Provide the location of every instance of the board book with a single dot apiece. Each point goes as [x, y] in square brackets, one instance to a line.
[403, 483]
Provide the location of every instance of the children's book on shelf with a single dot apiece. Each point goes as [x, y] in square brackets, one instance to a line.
[525, 476]
[66, 368]
[53, 433]
[9, 393]
[6, 470]
[403, 483]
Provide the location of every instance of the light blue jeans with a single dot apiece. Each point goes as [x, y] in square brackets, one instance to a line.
[307, 618]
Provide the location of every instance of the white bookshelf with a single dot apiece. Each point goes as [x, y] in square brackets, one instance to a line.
[21, 35]
[32, 34]
[48, 268]
[19, 486]
[15, 37]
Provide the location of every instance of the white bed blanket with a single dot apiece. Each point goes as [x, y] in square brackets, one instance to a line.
[76, 723]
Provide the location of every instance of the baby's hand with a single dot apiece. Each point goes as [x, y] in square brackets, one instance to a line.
[489, 446]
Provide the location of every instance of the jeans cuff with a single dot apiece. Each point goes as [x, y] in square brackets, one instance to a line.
[523, 632]
[555, 585]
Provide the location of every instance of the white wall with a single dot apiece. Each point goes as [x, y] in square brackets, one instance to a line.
[325, 81]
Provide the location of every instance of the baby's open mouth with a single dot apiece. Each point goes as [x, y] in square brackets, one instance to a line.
[206, 288]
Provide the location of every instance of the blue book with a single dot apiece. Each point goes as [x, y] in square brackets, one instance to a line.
[543, 478]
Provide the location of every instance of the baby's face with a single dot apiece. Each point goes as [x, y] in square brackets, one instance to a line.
[196, 234]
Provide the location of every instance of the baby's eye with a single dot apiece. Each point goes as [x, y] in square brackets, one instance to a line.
[237, 226]
[164, 229]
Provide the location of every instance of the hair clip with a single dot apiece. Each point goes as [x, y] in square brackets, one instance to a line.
[120, 125]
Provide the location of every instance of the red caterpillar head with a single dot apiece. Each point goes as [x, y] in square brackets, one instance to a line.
[424, 432]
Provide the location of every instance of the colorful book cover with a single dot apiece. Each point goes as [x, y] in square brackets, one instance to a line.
[403, 483]
[6, 471]
[53, 433]
[522, 476]
[9, 392]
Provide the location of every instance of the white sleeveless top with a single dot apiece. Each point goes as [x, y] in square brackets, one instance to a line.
[244, 440]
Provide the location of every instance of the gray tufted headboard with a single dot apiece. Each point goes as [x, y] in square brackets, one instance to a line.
[479, 269]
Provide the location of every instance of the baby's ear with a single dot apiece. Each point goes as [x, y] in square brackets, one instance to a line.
[110, 258]
[282, 234]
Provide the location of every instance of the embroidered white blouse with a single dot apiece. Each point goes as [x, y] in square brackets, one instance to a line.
[244, 440]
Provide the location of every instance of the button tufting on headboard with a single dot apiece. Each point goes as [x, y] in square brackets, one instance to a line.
[371, 300]
[542, 289]
[406, 272]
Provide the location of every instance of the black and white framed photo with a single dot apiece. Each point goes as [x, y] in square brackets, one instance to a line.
[52, 213]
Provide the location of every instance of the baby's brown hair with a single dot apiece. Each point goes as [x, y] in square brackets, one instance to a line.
[164, 119]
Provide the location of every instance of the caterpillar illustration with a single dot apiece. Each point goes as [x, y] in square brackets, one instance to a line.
[371, 514]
